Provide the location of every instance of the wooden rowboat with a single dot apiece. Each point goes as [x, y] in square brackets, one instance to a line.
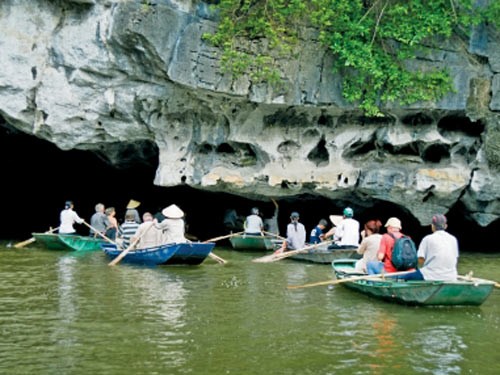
[249, 242]
[445, 293]
[191, 253]
[323, 255]
[55, 241]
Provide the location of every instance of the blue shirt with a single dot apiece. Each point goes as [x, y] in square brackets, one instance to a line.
[315, 235]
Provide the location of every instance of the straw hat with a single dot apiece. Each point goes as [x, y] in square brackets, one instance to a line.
[336, 219]
[172, 212]
[393, 222]
[133, 204]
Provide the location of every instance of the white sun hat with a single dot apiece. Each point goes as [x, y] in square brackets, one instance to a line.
[173, 212]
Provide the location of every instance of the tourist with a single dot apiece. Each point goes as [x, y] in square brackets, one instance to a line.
[253, 223]
[98, 221]
[317, 234]
[232, 221]
[369, 245]
[147, 235]
[68, 217]
[132, 207]
[346, 234]
[172, 227]
[295, 235]
[128, 229]
[437, 254]
[271, 223]
[112, 228]
[384, 254]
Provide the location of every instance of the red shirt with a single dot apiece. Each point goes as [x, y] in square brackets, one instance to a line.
[386, 246]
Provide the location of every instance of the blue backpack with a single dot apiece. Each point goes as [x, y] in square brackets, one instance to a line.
[404, 253]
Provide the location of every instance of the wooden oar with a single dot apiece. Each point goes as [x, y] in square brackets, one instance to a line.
[217, 258]
[275, 257]
[32, 239]
[275, 235]
[469, 277]
[102, 235]
[131, 246]
[223, 237]
[347, 279]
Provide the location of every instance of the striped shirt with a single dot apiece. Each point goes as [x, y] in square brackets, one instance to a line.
[127, 231]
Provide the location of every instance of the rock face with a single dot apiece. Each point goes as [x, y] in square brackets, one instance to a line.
[127, 79]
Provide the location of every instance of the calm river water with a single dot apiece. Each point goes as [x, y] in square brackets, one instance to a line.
[69, 313]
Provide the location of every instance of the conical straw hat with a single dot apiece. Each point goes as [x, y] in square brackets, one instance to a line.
[336, 219]
[133, 204]
[172, 212]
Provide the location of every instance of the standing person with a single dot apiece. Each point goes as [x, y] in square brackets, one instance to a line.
[132, 206]
[437, 254]
[67, 218]
[295, 234]
[98, 221]
[346, 235]
[112, 228]
[271, 223]
[253, 223]
[128, 228]
[172, 227]
[384, 254]
[317, 234]
[147, 233]
[369, 245]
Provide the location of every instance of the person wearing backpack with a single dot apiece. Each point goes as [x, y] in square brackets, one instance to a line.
[385, 251]
[437, 254]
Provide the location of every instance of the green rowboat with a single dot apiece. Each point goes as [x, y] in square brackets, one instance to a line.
[323, 255]
[54, 241]
[253, 243]
[444, 293]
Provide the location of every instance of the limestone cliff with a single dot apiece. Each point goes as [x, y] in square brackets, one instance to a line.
[126, 79]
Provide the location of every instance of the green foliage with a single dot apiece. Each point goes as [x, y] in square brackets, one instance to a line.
[373, 41]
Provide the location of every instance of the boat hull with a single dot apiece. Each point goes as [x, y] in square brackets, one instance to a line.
[54, 241]
[323, 255]
[169, 254]
[421, 292]
[253, 243]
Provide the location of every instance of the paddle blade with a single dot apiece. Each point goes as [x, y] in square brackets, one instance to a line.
[25, 243]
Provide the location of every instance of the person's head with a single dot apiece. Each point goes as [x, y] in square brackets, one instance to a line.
[68, 204]
[295, 216]
[147, 216]
[129, 215]
[255, 211]
[99, 207]
[110, 211]
[372, 227]
[322, 223]
[393, 225]
[439, 222]
[348, 212]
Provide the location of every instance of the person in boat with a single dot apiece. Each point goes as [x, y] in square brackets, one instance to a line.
[346, 233]
[271, 223]
[128, 228]
[172, 226]
[132, 207]
[295, 235]
[147, 235]
[384, 254]
[68, 217]
[437, 254]
[112, 228]
[317, 234]
[98, 220]
[369, 244]
[232, 221]
[253, 223]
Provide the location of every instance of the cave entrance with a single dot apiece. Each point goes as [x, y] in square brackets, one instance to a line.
[39, 178]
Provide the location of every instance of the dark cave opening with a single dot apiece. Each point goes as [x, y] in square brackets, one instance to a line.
[39, 178]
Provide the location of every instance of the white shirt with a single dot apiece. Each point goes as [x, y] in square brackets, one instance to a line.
[68, 217]
[253, 224]
[440, 251]
[347, 232]
[295, 236]
[173, 231]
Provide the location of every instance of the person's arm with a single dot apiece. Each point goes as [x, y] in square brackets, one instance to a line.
[382, 249]
[362, 247]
